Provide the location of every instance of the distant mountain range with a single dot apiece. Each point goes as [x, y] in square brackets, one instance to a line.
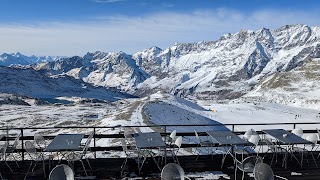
[19, 59]
[280, 65]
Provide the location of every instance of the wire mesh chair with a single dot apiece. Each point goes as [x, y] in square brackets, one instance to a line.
[263, 171]
[35, 157]
[128, 136]
[313, 138]
[40, 141]
[3, 155]
[318, 132]
[246, 165]
[61, 172]
[249, 133]
[203, 143]
[255, 139]
[297, 131]
[175, 150]
[252, 137]
[172, 171]
[128, 152]
[78, 156]
[275, 150]
[12, 149]
[172, 137]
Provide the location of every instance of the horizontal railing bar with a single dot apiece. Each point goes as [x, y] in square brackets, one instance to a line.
[170, 125]
[162, 134]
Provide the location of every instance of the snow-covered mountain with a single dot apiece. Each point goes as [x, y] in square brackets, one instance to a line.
[28, 82]
[117, 70]
[246, 64]
[237, 64]
[19, 59]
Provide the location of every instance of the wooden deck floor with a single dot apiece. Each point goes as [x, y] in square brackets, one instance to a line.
[109, 168]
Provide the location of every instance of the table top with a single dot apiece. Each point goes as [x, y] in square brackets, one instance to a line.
[226, 138]
[285, 137]
[149, 140]
[65, 142]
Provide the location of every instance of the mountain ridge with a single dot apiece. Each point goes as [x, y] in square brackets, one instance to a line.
[227, 68]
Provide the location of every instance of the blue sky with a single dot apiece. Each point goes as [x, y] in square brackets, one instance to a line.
[74, 27]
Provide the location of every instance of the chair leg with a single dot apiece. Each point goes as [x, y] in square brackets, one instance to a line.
[35, 164]
[28, 171]
[242, 175]
[235, 172]
[8, 166]
[314, 160]
[273, 154]
[88, 163]
[198, 152]
[123, 166]
[84, 168]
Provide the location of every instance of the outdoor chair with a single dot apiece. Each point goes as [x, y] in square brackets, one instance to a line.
[249, 133]
[318, 133]
[172, 171]
[275, 150]
[12, 149]
[176, 148]
[79, 156]
[40, 141]
[203, 144]
[252, 137]
[89, 139]
[129, 139]
[128, 152]
[172, 137]
[297, 131]
[308, 148]
[61, 172]
[255, 139]
[246, 165]
[3, 155]
[145, 154]
[35, 157]
[263, 171]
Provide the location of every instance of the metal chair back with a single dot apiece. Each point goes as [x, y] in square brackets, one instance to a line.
[172, 171]
[312, 138]
[178, 142]
[39, 140]
[297, 131]
[16, 142]
[30, 148]
[249, 133]
[263, 171]
[61, 172]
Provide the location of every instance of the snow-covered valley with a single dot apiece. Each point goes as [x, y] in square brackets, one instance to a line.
[158, 109]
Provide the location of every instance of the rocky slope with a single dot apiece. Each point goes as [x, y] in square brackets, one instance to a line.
[28, 82]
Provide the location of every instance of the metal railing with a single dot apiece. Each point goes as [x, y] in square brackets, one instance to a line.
[163, 127]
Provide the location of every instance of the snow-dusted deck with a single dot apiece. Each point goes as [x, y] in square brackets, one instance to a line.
[204, 168]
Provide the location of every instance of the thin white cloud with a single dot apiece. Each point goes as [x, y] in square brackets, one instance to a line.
[131, 34]
[167, 5]
[107, 1]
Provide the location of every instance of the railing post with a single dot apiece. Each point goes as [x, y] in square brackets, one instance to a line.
[294, 125]
[22, 144]
[232, 127]
[165, 148]
[94, 142]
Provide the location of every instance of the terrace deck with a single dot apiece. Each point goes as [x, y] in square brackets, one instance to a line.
[109, 168]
